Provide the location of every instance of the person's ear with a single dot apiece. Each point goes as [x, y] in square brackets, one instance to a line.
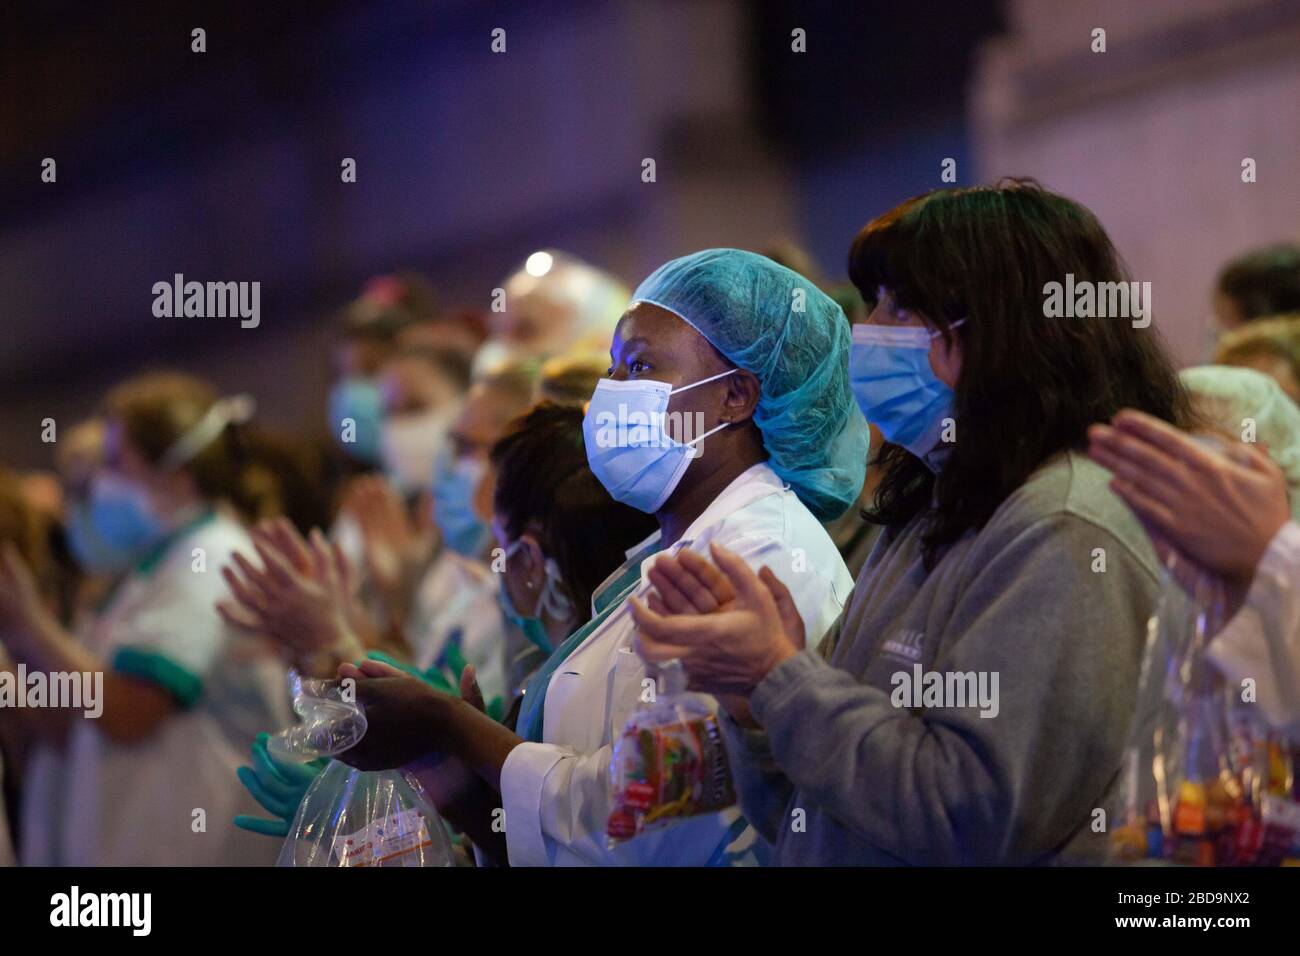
[743, 393]
[532, 559]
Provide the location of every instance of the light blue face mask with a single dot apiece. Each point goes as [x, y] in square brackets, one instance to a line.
[552, 601]
[91, 552]
[117, 526]
[356, 412]
[889, 371]
[454, 484]
[628, 446]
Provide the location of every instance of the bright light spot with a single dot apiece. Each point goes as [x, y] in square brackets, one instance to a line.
[539, 263]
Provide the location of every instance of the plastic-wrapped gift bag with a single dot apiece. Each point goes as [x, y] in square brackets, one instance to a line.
[1205, 782]
[353, 817]
[669, 762]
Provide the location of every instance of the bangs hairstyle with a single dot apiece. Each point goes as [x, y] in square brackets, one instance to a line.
[1029, 385]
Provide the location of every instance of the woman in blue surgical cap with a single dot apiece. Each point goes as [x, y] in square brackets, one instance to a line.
[727, 414]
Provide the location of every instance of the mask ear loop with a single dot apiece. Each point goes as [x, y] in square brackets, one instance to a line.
[704, 381]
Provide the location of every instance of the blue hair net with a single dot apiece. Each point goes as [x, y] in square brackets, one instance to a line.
[1229, 396]
[797, 346]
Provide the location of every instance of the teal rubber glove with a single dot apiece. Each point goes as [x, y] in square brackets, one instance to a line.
[278, 786]
[437, 679]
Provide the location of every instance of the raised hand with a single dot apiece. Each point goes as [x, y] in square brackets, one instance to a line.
[731, 648]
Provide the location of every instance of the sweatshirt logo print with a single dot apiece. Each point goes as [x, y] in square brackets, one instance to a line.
[905, 646]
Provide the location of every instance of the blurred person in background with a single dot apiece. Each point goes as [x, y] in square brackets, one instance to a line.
[555, 303]
[1243, 405]
[1270, 345]
[548, 564]
[570, 379]
[183, 695]
[1219, 511]
[434, 606]
[24, 535]
[422, 390]
[1261, 283]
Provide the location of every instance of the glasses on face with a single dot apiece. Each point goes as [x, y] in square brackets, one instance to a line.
[887, 312]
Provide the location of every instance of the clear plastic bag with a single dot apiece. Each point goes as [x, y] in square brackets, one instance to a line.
[1205, 782]
[329, 724]
[357, 818]
[352, 817]
[669, 762]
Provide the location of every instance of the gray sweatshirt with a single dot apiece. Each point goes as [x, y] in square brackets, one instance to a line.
[871, 755]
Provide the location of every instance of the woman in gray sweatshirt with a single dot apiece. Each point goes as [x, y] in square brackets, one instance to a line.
[972, 703]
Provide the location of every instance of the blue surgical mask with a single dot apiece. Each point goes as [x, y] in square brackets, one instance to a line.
[120, 520]
[454, 484]
[358, 400]
[898, 392]
[91, 552]
[553, 601]
[628, 446]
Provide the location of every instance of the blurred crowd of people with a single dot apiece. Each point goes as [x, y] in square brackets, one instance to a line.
[913, 468]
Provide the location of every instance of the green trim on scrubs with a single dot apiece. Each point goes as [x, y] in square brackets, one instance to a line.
[146, 565]
[160, 670]
[150, 665]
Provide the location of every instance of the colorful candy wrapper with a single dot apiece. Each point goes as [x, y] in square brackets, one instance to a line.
[670, 762]
[1205, 782]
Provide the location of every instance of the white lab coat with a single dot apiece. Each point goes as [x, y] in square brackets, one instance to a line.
[1262, 640]
[103, 803]
[555, 793]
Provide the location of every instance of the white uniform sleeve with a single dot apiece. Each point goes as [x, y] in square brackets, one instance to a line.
[556, 799]
[1262, 641]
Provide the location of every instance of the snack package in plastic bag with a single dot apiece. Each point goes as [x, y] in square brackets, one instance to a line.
[1205, 782]
[669, 762]
[352, 817]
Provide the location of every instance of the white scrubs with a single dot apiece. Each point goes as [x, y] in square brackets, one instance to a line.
[1262, 641]
[555, 793]
[457, 606]
[166, 800]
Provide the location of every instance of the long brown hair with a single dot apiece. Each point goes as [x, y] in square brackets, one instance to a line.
[1029, 385]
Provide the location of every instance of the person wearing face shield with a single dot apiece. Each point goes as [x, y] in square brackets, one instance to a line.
[183, 695]
[727, 414]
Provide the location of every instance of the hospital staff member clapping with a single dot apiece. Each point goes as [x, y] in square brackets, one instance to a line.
[151, 780]
[727, 414]
[972, 705]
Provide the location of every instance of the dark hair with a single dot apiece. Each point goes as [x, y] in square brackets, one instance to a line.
[1029, 386]
[544, 486]
[1265, 281]
[158, 408]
